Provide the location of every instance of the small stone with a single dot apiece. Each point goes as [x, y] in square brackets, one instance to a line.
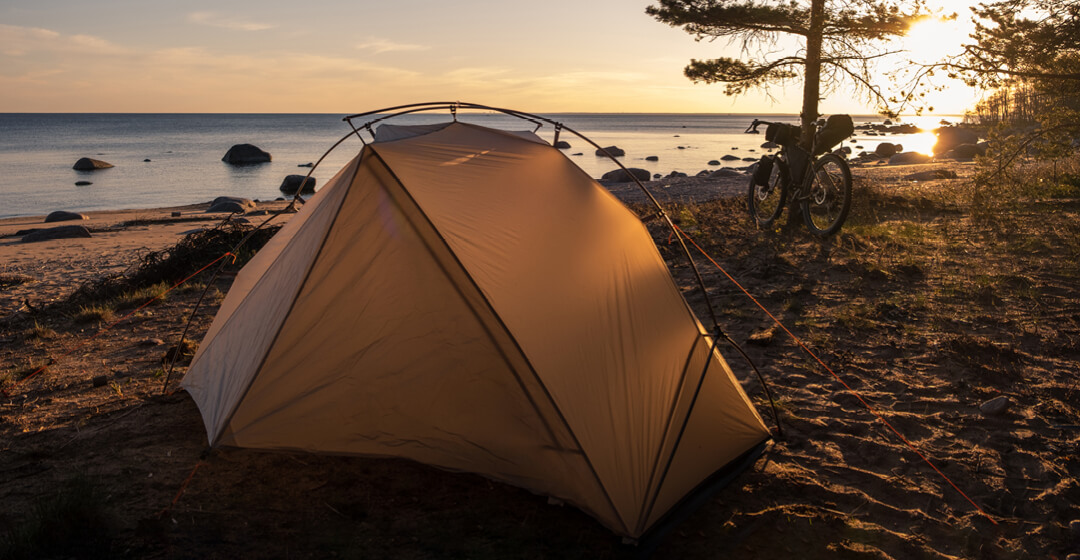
[995, 406]
[146, 160]
[652, 158]
[177, 214]
[100, 380]
[83, 183]
[151, 342]
[714, 162]
[562, 145]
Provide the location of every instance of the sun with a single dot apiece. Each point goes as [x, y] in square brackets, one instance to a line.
[930, 40]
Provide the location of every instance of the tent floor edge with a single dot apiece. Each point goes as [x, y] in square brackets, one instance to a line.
[703, 492]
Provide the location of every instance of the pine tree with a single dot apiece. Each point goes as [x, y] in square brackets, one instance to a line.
[839, 41]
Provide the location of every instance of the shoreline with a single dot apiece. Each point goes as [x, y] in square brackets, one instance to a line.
[121, 237]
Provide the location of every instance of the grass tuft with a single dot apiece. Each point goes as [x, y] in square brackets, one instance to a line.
[95, 313]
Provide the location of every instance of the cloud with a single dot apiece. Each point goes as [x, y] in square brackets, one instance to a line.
[214, 19]
[18, 41]
[380, 46]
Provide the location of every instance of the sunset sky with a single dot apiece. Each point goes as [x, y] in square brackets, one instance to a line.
[331, 56]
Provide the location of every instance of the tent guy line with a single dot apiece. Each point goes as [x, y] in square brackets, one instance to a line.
[847, 387]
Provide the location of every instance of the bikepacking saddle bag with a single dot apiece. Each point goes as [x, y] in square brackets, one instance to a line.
[782, 133]
[836, 129]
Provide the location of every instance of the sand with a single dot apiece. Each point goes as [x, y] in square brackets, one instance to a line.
[837, 486]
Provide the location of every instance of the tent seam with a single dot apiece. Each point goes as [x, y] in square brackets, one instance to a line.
[667, 428]
[506, 329]
[292, 305]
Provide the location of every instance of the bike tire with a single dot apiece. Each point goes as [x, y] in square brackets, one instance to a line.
[829, 200]
[766, 203]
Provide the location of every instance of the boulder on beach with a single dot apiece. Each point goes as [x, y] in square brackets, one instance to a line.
[887, 149]
[230, 204]
[729, 157]
[725, 173]
[245, 154]
[966, 151]
[59, 232]
[614, 151]
[64, 216]
[950, 137]
[713, 162]
[909, 158]
[625, 175]
[88, 164]
[293, 183]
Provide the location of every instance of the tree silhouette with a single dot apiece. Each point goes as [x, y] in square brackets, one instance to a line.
[839, 41]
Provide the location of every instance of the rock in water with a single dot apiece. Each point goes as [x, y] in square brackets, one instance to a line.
[64, 216]
[87, 164]
[60, 232]
[292, 183]
[245, 154]
[995, 406]
[562, 145]
[614, 151]
[625, 175]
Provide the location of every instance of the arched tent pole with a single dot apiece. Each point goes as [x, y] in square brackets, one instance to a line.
[660, 212]
[455, 106]
[236, 248]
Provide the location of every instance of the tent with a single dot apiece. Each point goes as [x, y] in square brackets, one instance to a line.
[470, 299]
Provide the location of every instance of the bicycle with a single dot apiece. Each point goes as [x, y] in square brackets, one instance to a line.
[820, 182]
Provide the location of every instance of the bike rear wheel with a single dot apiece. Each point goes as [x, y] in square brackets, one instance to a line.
[828, 199]
[766, 202]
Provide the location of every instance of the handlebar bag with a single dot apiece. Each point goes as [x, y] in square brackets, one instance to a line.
[782, 133]
[836, 129]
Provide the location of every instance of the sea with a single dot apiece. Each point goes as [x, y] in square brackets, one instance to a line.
[163, 160]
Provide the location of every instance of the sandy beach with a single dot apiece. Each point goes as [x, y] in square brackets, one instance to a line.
[927, 329]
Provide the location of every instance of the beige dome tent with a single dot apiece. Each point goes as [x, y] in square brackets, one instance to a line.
[470, 299]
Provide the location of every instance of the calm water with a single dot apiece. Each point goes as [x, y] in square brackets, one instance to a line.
[185, 150]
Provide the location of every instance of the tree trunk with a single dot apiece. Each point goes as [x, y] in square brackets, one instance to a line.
[811, 95]
[812, 74]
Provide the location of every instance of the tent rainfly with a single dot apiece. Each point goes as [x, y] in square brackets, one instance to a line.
[470, 299]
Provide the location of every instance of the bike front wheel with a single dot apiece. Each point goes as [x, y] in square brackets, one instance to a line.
[766, 202]
[829, 198]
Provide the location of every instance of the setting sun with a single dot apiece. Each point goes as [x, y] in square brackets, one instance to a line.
[930, 40]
